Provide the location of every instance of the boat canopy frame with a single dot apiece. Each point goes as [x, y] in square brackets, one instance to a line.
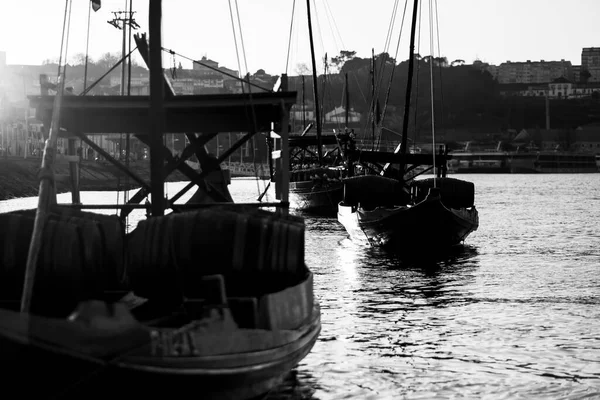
[206, 115]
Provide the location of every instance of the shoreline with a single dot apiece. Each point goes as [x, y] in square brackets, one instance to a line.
[19, 176]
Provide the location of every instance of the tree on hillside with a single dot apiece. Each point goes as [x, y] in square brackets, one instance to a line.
[441, 61]
[108, 60]
[457, 62]
[79, 59]
[584, 76]
[385, 58]
[339, 61]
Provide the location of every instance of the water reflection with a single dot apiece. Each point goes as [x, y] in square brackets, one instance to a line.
[512, 314]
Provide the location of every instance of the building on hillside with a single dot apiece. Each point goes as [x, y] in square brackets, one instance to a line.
[560, 88]
[338, 116]
[590, 61]
[205, 66]
[585, 139]
[534, 72]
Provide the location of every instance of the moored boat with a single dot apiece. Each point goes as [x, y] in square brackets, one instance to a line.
[435, 217]
[393, 210]
[213, 298]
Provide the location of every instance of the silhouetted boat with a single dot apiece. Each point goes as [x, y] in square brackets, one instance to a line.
[395, 211]
[213, 299]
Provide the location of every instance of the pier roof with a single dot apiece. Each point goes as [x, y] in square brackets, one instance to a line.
[183, 114]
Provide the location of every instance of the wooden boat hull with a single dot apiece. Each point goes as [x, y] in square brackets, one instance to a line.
[316, 197]
[425, 226]
[68, 373]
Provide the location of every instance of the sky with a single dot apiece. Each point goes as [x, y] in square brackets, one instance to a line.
[492, 31]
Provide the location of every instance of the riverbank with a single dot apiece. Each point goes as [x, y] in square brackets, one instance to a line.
[19, 177]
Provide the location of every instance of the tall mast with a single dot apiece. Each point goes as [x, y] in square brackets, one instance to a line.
[373, 107]
[315, 91]
[156, 108]
[347, 95]
[303, 105]
[411, 64]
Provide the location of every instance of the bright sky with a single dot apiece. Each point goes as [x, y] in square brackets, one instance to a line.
[490, 30]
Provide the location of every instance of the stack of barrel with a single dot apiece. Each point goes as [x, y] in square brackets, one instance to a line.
[455, 193]
[81, 256]
[252, 249]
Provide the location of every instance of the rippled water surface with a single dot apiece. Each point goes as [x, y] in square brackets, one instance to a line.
[514, 314]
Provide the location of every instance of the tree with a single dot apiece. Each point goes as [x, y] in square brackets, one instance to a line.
[339, 61]
[441, 61]
[584, 75]
[302, 69]
[386, 58]
[79, 59]
[108, 60]
[457, 62]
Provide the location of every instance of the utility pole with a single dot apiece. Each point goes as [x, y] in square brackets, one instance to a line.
[120, 21]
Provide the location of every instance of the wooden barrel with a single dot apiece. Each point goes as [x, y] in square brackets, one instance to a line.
[104, 238]
[455, 193]
[169, 254]
[63, 277]
[152, 269]
[111, 232]
[15, 234]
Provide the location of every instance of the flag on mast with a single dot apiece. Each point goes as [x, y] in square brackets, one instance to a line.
[95, 5]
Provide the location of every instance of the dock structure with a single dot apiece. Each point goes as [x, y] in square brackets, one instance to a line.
[205, 115]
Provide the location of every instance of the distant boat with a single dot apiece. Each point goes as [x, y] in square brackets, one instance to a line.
[394, 211]
[315, 180]
[479, 161]
[315, 188]
[212, 299]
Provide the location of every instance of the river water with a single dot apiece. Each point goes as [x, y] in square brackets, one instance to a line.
[514, 314]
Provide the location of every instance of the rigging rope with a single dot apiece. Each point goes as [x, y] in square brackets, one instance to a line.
[237, 53]
[62, 41]
[327, 8]
[241, 38]
[287, 61]
[417, 78]
[387, 97]
[437, 27]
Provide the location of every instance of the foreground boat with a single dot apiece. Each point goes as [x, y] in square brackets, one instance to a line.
[212, 299]
[230, 326]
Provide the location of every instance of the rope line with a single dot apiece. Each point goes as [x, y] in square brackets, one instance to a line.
[287, 61]
[216, 69]
[417, 75]
[237, 54]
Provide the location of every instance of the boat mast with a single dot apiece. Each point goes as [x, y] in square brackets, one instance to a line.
[315, 91]
[347, 99]
[46, 196]
[373, 107]
[156, 108]
[401, 148]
